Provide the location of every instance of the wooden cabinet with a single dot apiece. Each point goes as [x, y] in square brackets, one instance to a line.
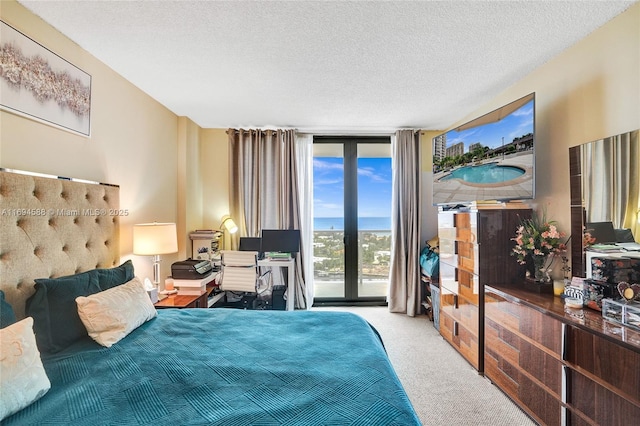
[602, 379]
[561, 366]
[523, 356]
[475, 249]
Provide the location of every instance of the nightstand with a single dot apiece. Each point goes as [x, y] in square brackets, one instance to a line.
[184, 301]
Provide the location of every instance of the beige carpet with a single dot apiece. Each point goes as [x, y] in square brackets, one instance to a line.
[443, 388]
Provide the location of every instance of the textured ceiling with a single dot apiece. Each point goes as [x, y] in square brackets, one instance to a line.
[325, 66]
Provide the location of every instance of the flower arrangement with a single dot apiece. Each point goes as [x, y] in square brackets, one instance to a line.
[587, 238]
[539, 239]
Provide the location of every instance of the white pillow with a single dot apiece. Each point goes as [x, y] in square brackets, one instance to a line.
[22, 376]
[112, 314]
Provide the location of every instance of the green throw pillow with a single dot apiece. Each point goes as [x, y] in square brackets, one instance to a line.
[56, 322]
[108, 278]
[7, 316]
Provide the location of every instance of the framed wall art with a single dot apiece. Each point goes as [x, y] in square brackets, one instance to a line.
[38, 84]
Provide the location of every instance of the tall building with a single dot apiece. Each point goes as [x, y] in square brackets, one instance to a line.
[474, 146]
[454, 150]
[439, 147]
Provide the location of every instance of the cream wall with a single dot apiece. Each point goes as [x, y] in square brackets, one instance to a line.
[171, 170]
[133, 139]
[590, 91]
[214, 148]
[189, 184]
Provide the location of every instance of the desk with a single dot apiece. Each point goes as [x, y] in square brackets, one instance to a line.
[291, 286]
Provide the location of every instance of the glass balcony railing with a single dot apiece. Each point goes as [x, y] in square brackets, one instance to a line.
[374, 255]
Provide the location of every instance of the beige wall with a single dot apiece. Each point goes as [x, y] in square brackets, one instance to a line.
[171, 170]
[189, 184]
[590, 91]
[214, 148]
[133, 139]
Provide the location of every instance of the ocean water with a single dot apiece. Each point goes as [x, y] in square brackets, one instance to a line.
[364, 223]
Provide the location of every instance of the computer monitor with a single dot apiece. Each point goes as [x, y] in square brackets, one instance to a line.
[251, 244]
[602, 231]
[280, 240]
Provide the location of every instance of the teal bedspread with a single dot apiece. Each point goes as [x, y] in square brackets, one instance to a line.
[227, 367]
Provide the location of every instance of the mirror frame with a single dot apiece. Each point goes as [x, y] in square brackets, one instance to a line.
[578, 211]
[578, 214]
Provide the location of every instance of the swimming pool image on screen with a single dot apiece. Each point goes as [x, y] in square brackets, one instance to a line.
[485, 173]
[491, 158]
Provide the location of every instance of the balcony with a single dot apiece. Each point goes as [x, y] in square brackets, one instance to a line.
[374, 256]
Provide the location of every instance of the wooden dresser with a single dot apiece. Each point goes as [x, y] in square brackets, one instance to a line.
[475, 249]
[562, 366]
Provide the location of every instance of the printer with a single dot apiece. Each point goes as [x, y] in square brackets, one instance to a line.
[191, 269]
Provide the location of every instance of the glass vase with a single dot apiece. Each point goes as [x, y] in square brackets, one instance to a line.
[540, 269]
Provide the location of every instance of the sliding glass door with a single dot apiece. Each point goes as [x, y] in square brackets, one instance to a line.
[352, 219]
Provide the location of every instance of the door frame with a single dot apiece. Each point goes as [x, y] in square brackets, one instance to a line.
[350, 155]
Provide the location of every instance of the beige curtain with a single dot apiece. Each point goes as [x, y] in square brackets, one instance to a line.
[612, 191]
[404, 274]
[264, 189]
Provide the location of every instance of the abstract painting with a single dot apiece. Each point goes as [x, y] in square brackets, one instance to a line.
[38, 84]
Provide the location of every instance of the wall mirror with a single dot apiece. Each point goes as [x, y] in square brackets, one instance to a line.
[605, 187]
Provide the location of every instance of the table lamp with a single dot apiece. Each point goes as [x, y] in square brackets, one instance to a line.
[228, 224]
[154, 239]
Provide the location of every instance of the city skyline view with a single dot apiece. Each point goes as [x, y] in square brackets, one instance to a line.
[514, 125]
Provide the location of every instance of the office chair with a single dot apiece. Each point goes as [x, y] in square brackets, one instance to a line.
[240, 277]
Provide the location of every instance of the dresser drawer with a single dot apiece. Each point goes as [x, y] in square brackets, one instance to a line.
[460, 282]
[461, 309]
[526, 322]
[448, 251]
[468, 257]
[461, 338]
[458, 226]
[449, 278]
[603, 405]
[607, 361]
[529, 394]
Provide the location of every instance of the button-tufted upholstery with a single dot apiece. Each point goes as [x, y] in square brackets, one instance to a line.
[53, 227]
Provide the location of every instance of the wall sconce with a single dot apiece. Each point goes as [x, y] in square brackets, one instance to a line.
[154, 239]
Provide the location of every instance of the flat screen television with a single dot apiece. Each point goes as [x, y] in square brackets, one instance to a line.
[491, 158]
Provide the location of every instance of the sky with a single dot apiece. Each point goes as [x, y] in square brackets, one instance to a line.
[516, 124]
[374, 187]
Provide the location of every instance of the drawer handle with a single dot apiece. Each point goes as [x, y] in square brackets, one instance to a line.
[455, 328]
[455, 301]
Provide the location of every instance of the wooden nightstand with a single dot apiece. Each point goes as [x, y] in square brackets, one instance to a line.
[204, 300]
[183, 301]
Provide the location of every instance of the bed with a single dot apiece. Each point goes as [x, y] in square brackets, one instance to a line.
[177, 366]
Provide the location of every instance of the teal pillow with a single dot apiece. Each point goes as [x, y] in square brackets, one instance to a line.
[7, 316]
[108, 278]
[53, 308]
[56, 322]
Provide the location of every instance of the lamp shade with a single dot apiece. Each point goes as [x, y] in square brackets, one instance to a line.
[154, 238]
[229, 224]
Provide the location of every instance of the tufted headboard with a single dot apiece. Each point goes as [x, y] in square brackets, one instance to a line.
[51, 227]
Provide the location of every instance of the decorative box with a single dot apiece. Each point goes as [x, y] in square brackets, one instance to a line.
[594, 291]
[575, 288]
[615, 270]
[626, 313]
